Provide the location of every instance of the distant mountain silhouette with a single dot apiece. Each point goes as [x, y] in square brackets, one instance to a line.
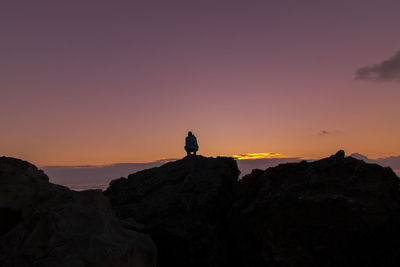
[337, 211]
[67, 175]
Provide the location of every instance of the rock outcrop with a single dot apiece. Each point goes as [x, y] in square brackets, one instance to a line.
[44, 224]
[338, 211]
[183, 205]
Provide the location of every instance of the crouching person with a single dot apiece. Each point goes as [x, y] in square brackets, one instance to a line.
[191, 144]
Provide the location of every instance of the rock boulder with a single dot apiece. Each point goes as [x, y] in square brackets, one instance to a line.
[183, 205]
[44, 224]
[338, 211]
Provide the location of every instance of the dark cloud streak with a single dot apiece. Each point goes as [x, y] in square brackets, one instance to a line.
[387, 70]
[326, 132]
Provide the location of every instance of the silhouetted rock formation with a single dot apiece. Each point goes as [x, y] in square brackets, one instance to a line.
[184, 206]
[43, 224]
[338, 211]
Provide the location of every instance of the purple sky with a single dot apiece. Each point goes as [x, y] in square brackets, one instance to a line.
[101, 82]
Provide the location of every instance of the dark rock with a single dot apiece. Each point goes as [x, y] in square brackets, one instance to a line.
[339, 155]
[337, 211]
[183, 205]
[43, 224]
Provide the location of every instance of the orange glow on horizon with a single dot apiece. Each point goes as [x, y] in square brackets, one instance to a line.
[258, 156]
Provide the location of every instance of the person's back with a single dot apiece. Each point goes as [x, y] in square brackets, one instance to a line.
[191, 144]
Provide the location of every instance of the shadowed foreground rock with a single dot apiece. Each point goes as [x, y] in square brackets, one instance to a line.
[184, 206]
[43, 224]
[337, 211]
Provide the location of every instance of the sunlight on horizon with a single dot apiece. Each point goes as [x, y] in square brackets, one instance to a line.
[258, 156]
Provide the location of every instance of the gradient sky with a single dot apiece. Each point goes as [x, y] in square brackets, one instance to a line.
[101, 82]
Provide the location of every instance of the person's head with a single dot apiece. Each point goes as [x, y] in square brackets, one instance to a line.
[190, 133]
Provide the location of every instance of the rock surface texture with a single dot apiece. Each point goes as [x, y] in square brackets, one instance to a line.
[184, 207]
[44, 224]
[338, 211]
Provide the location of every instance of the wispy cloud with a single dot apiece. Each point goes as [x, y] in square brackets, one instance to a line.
[387, 70]
[326, 132]
[323, 132]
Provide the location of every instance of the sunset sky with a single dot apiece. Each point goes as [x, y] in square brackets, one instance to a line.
[102, 82]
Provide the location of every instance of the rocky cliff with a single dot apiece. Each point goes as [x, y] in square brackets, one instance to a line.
[184, 207]
[43, 224]
[338, 211]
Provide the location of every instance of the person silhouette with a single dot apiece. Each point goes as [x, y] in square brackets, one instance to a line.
[191, 144]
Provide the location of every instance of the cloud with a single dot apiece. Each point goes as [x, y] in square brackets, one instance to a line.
[326, 132]
[393, 162]
[387, 70]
